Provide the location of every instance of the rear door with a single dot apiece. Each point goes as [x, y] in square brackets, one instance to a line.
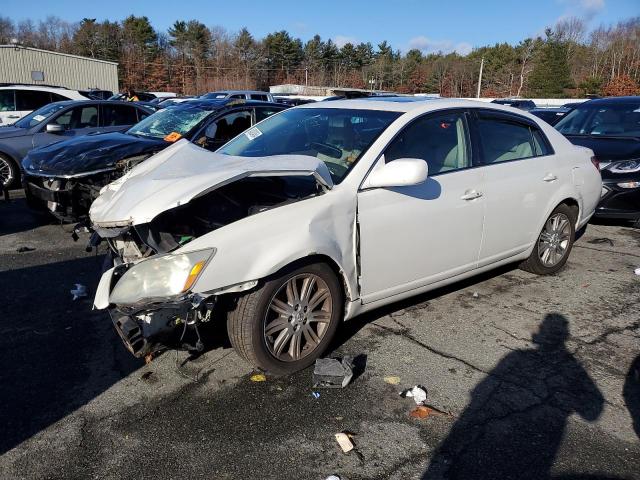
[29, 100]
[520, 175]
[76, 121]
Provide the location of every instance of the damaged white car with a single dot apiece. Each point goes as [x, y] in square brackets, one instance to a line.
[325, 211]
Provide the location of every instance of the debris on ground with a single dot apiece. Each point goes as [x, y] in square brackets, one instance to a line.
[79, 292]
[332, 372]
[258, 377]
[424, 411]
[345, 442]
[148, 358]
[599, 241]
[315, 395]
[637, 271]
[332, 477]
[417, 392]
[146, 375]
[392, 380]
[475, 295]
[24, 249]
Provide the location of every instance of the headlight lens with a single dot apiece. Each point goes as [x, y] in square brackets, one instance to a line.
[627, 166]
[164, 276]
[629, 184]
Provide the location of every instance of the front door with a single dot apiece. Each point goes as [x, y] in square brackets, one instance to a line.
[75, 122]
[416, 235]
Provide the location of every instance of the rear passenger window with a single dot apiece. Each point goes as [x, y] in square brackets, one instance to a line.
[504, 140]
[255, 96]
[441, 140]
[31, 99]
[117, 115]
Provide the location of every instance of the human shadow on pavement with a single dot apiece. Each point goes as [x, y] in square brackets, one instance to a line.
[631, 393]
[514, 423]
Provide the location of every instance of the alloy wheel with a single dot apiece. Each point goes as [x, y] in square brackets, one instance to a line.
[6, 172]
[554, 240]
[298, 317]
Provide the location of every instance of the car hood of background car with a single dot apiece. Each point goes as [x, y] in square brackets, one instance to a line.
[8, 132]
[185, 171]
[88, 153]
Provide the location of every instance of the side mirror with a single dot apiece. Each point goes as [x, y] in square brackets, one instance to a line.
[210, 131]
[398, 173]
[54, 128]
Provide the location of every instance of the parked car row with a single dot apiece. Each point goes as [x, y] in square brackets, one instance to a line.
[284, 222]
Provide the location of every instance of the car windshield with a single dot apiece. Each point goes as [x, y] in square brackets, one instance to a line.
[615, 119]
[38, 116]
[177, 121]
[336, 136]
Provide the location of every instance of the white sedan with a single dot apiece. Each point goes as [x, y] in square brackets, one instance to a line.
[325, 211]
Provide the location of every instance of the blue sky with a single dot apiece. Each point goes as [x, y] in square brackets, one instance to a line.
[428, 25]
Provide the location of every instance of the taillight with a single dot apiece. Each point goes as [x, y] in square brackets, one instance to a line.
[595, 162]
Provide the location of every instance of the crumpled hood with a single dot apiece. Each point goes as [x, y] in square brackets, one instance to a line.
[88, 153]
[9, 132]
[184, 171]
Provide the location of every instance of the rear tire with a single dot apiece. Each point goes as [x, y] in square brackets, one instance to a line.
[289, 321]
[554, 244]
[9, 172]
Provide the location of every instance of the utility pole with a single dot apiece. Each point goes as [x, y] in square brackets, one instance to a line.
[480, 77]
[306, 77]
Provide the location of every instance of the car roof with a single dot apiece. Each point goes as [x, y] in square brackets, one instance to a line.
[216, 104]
[612, 100]
[231, 92]
[89, 101]
[392, 104]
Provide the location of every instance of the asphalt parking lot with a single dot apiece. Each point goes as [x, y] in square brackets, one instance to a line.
[529, 375]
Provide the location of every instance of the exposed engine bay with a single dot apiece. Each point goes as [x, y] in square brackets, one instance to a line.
[220, 207]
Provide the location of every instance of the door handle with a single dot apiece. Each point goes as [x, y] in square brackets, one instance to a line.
[471, 195]
[550, 177]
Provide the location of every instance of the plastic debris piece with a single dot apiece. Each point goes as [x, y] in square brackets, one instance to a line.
[332, 372]
[258, 377]
[79, 292]
[148, 358]
[332, 477]
[392, 380]
[315, 395]
[345, 442]
[421, 412]
[417, 392]
[24, 249]
[475, 295]
[637, 271]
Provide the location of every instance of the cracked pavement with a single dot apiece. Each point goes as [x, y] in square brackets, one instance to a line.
[532, 370]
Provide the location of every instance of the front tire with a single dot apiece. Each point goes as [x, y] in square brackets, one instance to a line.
[9, 172]
[289, 321]
[554, 244]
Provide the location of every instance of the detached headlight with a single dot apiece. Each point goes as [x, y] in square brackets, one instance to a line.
[160, 277]
[627, 166]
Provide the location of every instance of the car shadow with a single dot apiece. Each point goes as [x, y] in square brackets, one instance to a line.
[57, 353]
[16, 217]
[631, 393]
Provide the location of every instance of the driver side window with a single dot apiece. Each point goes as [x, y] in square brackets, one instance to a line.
[441, 140]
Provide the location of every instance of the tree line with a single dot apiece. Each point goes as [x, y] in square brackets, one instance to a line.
[191, 58]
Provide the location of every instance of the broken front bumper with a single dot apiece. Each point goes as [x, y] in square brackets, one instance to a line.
[151, 325]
